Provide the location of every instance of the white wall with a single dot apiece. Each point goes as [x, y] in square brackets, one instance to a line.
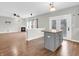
[75, 25]
[14, 26]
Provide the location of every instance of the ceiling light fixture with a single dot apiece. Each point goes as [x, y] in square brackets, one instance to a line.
[31, 14]
[52, 7]
[16, 15]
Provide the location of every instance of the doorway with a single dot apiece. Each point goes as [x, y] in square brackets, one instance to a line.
[63, 23]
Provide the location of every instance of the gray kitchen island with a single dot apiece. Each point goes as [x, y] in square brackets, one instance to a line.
[52, 39]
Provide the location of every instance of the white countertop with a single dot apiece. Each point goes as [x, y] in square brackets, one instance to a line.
[52, 30]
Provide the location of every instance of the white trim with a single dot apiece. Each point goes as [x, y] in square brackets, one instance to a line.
[73, 40]
[32, 38]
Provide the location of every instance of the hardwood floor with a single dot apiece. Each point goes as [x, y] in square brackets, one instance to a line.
[12, 44]
[67, 48]
[15, 44]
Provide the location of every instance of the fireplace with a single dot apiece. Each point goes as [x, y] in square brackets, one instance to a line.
[23, 29]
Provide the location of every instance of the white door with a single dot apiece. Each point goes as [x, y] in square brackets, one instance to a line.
[61, 22]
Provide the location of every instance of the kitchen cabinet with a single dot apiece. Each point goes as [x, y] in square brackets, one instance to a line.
[52, 39]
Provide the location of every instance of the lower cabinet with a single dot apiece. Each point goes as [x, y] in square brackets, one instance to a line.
[52, 40]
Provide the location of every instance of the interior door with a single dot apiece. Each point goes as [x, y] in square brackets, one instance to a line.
[63, 24]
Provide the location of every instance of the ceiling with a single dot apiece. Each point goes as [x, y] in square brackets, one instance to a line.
[24, 9]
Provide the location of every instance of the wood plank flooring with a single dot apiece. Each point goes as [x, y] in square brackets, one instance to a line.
[12, 44]
[15, 44]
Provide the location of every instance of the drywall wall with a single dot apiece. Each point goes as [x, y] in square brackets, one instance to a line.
[13, 26]
[75, 25]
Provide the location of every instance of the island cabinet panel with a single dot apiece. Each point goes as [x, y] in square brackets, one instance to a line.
[48, 42]
[52, 40]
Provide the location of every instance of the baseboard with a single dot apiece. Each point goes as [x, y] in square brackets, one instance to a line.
[32, 38]
[73, 41]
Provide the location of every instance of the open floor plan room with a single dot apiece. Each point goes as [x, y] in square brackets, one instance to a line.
[39, 29]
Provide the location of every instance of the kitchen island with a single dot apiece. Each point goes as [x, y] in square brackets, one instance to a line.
[52, 39]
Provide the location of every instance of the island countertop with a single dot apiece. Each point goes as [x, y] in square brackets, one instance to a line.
[51, 30]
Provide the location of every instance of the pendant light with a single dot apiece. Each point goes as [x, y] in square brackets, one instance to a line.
[52, 7]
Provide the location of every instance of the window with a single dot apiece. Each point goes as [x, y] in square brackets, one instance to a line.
[32, 24]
